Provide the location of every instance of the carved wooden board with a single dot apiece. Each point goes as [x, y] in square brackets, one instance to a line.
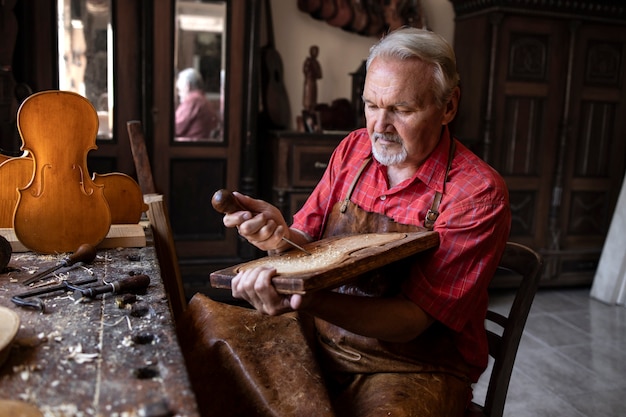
[333, 261]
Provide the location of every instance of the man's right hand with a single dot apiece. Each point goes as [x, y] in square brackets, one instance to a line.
[261, 224]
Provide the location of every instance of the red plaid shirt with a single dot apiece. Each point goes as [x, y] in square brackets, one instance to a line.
[451, 282]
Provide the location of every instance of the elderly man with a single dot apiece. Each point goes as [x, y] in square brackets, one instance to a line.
[400, 342]
[195, 117]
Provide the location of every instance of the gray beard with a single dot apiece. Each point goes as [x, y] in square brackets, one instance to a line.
[384, 156]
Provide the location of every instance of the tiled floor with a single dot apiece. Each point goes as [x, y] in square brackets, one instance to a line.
[572, 357]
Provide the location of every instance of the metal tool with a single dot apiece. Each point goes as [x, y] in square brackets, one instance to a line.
[36, 302]
[134, 283]
[225, 202]
[85, 253]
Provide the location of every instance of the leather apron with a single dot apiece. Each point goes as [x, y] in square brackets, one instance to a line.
[353, 353]
[347, 358]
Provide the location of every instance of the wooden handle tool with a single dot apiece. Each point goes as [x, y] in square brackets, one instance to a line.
[85, 253]
[225, 202]
[132, 284]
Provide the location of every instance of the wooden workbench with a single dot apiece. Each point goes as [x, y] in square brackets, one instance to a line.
[98, 357]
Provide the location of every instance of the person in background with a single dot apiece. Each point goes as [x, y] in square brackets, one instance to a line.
[406, 341]
[195, 117]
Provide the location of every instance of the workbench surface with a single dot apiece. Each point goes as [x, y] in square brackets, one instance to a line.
[103, 356]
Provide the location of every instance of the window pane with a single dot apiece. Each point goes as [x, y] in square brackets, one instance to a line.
[199, 66]
[86, 55]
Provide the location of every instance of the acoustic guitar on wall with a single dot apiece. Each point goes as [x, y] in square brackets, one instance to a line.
[274, 94]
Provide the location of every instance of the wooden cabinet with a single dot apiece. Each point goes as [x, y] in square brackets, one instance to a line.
[544, 100]
[296, 162]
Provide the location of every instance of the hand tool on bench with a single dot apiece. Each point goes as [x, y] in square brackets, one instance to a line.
[133, 283]
[85, 253]
[30, 299]
[225, 202]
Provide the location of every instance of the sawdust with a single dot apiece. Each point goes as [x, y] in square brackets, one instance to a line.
[296, 262]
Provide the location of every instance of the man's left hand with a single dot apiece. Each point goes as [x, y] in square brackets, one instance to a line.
[255, 286]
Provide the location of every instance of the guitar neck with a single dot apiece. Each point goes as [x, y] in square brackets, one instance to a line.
[269, 25]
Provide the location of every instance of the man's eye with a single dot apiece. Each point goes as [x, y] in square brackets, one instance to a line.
[403, 111]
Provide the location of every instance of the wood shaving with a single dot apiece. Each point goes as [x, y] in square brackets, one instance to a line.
[296, 262]
[76, 354]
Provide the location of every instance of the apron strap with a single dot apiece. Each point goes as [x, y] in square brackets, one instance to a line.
[433, 212]
[344, 205]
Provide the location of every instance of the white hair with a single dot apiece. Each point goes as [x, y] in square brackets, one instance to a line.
[427, 46]
[192, 78]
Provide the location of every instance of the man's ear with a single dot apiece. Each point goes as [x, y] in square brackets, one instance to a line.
[451, 106]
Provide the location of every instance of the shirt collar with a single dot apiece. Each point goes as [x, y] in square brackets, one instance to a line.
[433, 171]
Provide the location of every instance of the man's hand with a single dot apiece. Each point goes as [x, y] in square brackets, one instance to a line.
[255, 286]
[261, 224]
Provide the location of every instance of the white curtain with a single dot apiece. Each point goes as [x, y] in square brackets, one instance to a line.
[609, 283]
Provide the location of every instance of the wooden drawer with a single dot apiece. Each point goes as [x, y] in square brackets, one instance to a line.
[308, 164]
[297, 162]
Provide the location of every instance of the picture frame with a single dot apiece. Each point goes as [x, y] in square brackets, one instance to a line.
[311, 121]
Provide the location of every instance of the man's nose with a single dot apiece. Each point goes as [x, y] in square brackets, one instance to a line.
[382, 120]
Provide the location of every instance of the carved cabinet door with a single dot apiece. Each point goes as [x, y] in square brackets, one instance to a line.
[543, 104]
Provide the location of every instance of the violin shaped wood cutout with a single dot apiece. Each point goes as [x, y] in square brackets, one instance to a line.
[121, 192]
[333, 261]
[123, 195]
[15, 173]
[61, 208]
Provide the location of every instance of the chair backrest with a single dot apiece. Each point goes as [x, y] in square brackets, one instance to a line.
[159, 221]
[140, 156]
[166, 253]
[522, 260]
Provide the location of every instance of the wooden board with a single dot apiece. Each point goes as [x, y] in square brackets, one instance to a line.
[119, 236]
[334, 261]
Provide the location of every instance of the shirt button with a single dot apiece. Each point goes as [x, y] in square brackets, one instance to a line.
[383, 197]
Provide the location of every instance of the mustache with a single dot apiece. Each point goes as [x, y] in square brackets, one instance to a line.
[391, 137]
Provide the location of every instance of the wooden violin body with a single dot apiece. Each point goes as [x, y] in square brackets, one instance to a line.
[123, 195]
[121, 192]
[15, 173]
[61, 207]
[344, 14]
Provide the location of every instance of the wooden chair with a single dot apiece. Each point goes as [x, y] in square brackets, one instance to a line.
[166, 253]
[159, 222]
[522, 260]
[140, 156]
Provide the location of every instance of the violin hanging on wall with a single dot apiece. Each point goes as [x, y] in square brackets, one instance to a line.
[61, 207]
